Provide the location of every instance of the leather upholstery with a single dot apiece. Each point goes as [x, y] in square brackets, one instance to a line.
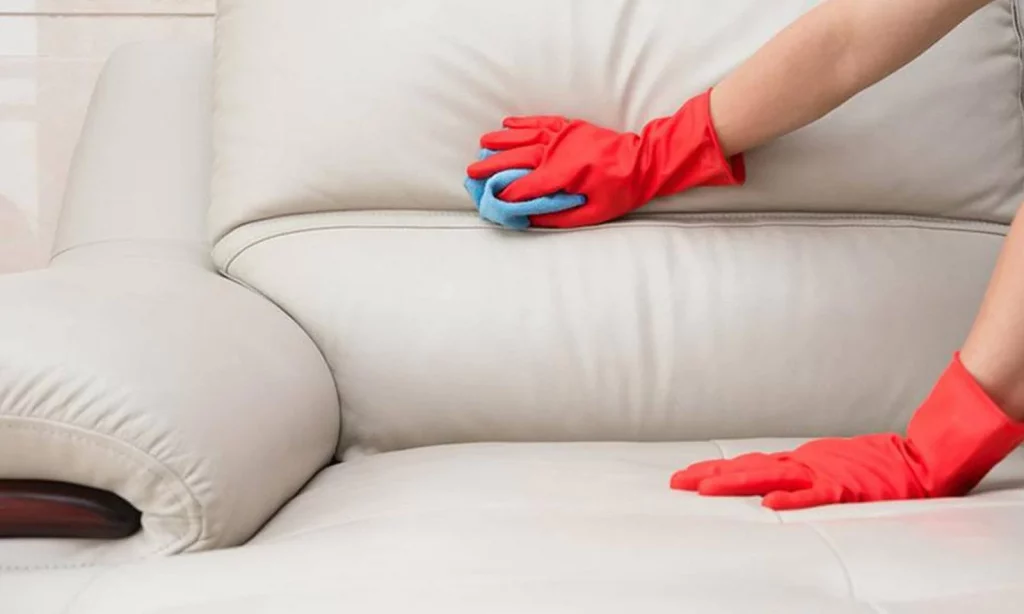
[823, 297]
[587, 527]
[129, 366]
[441, 329]
[139, 184]
[204, 386]
[340, 105]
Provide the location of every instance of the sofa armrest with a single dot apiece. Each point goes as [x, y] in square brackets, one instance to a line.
[189, 396]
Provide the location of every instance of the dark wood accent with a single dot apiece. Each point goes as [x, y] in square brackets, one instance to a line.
[37, 508]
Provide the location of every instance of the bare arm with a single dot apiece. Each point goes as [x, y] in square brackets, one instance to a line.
[824, 58]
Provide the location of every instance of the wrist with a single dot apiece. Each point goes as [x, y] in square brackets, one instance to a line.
[999, 374]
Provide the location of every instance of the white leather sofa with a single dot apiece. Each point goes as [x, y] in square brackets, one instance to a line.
[275, 325]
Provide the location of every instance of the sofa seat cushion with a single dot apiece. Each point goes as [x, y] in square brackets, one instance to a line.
[585, 527]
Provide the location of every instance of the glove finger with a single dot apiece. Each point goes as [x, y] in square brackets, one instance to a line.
[757, 482]
[690, 477]
[544, 122]
[507, 139]
[782, 500]
[520, 157]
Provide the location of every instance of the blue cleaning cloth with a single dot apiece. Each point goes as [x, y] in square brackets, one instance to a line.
[514, 215]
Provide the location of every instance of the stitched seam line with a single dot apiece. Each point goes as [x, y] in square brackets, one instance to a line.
[99, 573]
[183, 498]
[634, 215]
[330, 369]
[1019, 33]
[752, 221]
[77, 596]
[373, 517]
[447, 509]
[835, 553]
[377, 516]
[721, 450]
[145, 241]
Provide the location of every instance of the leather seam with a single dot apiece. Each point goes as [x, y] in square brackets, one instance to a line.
[755, 221]
[262, 539]
[831, 547]
[323, 356]
[632, 216]
[348, 522]
[52, 429]
[721, 450]
[77, 597]
[1019, 34]
[147, 241]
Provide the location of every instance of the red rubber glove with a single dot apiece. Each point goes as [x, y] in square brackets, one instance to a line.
[616, 171]
[954, 439]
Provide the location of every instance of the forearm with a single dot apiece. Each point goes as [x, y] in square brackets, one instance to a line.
[827, 56]
[994, 350]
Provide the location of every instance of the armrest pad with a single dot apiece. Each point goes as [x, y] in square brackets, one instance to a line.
[192, 398]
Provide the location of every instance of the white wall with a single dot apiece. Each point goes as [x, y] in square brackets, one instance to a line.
[51, 52]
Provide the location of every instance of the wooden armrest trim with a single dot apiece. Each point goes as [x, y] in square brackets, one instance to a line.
[39, 508]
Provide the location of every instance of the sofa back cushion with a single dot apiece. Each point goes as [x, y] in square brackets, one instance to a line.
[822, 297]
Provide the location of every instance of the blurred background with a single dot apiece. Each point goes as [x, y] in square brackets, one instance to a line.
[51, 52]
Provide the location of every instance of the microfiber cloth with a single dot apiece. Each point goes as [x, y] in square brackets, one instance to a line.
[514, 215]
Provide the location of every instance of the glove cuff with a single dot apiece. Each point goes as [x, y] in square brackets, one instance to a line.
[959, 434]
[731, 170]
[683, 151]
